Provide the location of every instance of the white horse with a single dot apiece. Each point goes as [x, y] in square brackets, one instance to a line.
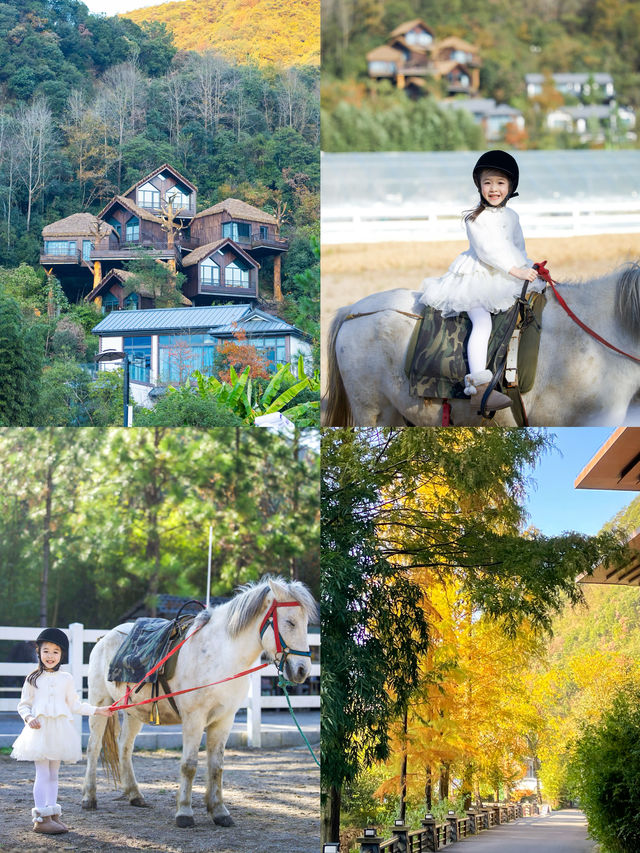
[228, 642]
[579, 381]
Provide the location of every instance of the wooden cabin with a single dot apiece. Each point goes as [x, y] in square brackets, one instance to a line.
[157, 217]
[221, 268]
[111, 294]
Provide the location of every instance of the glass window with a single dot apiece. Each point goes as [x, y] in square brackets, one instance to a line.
[179, 200]
[238, 231]
[113, 222]
[209, 273]
[139, 352]
[236, 275]
[109, 303]
[180, 355]
[274, 349]
[264, 232]
[148, 196]
[132, 231]
[131, 302]
[60, 247]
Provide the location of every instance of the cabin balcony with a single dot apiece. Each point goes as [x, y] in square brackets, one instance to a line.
[260, 243]
[180, 213]
[250, 292]
[55, 258]
[131, 252]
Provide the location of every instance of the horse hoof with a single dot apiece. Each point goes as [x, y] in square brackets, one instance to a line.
[139, 802]
[89, 804]
[224, 820]
[184, 820]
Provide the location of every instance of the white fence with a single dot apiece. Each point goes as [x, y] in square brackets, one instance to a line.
[255, 702]
[401, 222]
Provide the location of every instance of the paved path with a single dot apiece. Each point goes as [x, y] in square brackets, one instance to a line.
[560, 832]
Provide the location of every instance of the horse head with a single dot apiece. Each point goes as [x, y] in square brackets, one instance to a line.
[281, 611]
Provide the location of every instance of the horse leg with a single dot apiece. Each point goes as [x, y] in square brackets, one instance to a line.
[217, 734]
[130, 729]
[97, 726]
[191, 737]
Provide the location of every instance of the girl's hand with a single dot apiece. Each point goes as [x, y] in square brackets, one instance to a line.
[33, 723]
[105, 711]
[524, 273]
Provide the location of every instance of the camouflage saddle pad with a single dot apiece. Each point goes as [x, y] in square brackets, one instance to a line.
[437, 357]
[148, 642]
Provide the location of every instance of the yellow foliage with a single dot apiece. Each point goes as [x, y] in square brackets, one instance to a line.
[267, 32]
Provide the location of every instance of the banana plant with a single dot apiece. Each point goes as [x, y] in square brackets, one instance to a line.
[244, 398]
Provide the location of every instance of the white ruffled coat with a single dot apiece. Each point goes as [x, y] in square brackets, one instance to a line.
[480, 276]
[53, 702]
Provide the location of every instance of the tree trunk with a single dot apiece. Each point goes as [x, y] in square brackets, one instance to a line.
[428, 788]
[444, 782]
[331, 816]
[46, 546]
[403, 769]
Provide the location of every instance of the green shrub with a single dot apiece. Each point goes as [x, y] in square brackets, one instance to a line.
[605, 772]
[184, 408]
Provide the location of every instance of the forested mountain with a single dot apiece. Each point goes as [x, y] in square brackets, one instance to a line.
[514, 37]
[611, 619]
[282, 32]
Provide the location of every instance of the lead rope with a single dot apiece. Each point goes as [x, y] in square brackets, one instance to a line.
[282, 682]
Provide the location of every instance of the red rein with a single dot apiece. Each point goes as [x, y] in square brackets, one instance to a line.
[544, 274]
[123, 703]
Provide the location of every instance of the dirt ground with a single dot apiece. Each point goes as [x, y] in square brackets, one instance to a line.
[350, 272]
[272, 795]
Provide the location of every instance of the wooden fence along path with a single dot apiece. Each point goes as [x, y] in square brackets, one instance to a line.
[436, 835]
[79, 636]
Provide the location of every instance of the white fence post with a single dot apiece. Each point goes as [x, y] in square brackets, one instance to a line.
[254, 710]
[75, 663]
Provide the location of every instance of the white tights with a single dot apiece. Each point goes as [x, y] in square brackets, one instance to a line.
[45, 788]
[478, 344]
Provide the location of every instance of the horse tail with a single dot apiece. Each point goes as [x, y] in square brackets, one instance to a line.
[109, 754]
[338, 410]
[628, 299]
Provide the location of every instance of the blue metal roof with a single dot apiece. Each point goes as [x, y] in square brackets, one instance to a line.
[217, 319]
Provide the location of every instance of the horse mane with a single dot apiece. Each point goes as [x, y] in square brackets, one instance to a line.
[627, 305]
[249, 601]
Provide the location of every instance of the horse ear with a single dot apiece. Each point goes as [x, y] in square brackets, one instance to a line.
[278, 589]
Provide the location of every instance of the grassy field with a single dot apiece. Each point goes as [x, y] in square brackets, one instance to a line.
[350, 272]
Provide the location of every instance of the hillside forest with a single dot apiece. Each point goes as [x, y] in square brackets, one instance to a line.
[513, 38]
[91, 104]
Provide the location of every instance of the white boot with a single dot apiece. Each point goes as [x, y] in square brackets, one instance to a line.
[475, 384]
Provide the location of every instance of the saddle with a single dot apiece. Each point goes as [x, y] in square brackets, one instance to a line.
[149, 641]
[436, 361]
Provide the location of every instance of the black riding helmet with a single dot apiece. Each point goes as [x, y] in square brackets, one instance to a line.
[55, 635]
[502, 162]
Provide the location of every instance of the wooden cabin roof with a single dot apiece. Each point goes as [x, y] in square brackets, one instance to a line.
[455, 42]
[616, 465]
[203, 252]
[385, 53]
[408, 26]
[129, 205]
[163, 168]
[76, 225]
[242, 210]
[122, 276]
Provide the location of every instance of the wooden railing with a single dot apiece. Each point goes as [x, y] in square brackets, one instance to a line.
[436, 834]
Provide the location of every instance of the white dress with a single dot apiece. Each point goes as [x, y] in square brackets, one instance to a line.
[53, 702]
[480, 276]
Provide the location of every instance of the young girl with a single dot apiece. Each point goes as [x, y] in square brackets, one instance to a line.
[488, 277]
[47, 704]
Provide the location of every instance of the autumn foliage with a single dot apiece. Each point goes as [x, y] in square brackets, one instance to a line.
[239, 354]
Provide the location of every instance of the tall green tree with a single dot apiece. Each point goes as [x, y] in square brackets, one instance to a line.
[403, 500]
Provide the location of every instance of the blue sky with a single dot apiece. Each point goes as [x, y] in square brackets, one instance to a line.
[555, 505]
[115, 7]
